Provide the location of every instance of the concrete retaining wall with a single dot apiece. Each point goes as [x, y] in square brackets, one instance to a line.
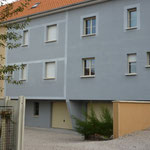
[130, 116]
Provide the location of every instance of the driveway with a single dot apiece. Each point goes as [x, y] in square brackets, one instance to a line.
[58, 139]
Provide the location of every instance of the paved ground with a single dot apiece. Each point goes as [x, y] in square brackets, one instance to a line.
[57, 139]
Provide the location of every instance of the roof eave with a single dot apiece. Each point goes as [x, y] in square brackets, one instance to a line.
[57, 10]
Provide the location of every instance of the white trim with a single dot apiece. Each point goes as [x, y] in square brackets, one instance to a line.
[88, 76]
[41, 98]
[131, 74]
[44, 71]
[22, 42]
[90, 67]
[137, 6]
[37, 61]
[89, 35]
[57, 32]
[65, 61]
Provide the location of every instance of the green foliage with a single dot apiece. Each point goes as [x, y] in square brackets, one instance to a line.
[11, 38]
[92, 125]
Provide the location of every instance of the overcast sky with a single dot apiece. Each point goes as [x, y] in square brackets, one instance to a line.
[9, 1]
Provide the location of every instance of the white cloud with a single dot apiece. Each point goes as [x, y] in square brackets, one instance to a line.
[7, 1]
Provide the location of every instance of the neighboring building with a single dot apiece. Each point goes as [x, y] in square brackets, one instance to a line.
[81, 51]
[2, 62]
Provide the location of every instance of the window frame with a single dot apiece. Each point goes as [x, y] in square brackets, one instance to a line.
[91, 26]
[25, 44]
[131, 73]
[46, 38]
[127, 10]
[21, 72]
[83, 68]
[34, 109]
[45, 73]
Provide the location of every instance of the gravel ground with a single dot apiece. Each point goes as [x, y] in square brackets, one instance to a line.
[58, 139]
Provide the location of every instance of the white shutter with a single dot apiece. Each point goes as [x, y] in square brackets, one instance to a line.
[52, 33]
[132, 58]
[25, 38]
[50, 70]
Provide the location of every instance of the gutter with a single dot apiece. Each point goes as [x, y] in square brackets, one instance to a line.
[57, 10]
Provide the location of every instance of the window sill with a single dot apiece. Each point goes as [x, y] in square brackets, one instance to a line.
[35, 116]
[49, 78]
[87, 35]
[51, 41]
[23, 80]
[131, 28]
[131, 74]
[92, 76]
[24, 45]
[147, 66]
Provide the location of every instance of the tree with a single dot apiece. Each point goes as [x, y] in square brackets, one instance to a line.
[10, 38]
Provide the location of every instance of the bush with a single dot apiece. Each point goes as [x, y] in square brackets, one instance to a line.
[92, 126]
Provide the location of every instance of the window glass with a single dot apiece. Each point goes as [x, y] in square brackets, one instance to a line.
[90, 25]
[132, 14]
[93, 67]
[148, 58]
[94, 25]
[132, 63]
[89, 66]
[36, 109]
[25, 38]
[24, 73]
[132, 67]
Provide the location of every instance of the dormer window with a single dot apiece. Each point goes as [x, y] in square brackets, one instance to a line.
[35, 5]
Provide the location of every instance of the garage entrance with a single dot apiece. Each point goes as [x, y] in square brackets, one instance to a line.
[60, 116]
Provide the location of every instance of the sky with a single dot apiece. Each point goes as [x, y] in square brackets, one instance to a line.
[9, 1]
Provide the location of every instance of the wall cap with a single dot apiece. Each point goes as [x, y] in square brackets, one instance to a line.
[140, 102]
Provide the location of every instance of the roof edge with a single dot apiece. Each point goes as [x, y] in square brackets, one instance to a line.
[57, 10]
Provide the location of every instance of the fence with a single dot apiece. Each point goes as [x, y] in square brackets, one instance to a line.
[12, 113]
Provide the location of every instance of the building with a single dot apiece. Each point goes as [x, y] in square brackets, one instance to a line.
[78, 52]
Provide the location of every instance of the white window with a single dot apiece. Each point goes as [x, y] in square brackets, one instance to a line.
[52, 33]
[148, 58]
[90, 26]
[88, 66]
[23, 73]
[132, 63]
[25, 37]
[36, 109]
[50, 70]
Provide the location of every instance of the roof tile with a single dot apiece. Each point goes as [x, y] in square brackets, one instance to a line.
[44, 5]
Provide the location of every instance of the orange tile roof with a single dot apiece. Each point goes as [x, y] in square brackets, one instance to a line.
[44, 5]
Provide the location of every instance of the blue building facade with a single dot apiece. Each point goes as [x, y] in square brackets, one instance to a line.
[95, 52]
